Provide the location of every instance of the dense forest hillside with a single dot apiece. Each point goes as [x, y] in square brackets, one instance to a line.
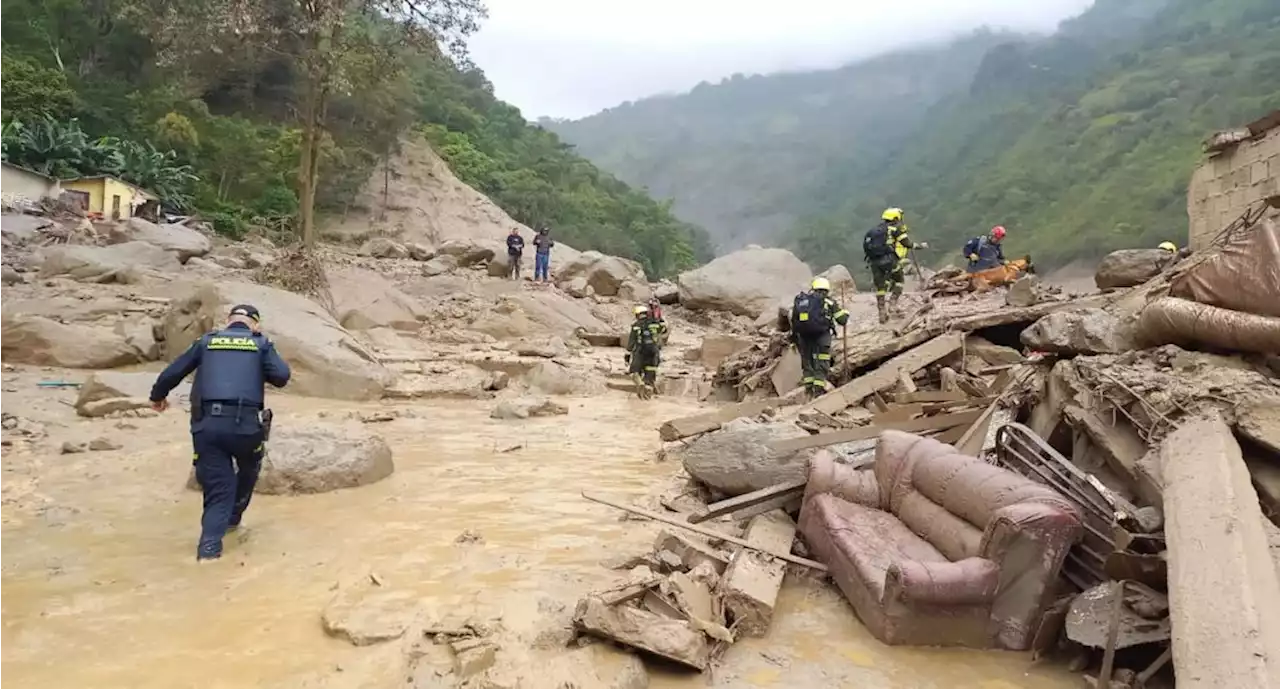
[1079, 143]
[92, 88]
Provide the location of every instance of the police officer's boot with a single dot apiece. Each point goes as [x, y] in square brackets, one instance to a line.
[884, 315]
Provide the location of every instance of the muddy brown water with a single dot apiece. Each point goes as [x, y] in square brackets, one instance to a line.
[100, 588]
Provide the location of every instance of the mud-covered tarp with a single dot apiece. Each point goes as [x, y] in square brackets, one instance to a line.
[1244, 276]
[1178, 321]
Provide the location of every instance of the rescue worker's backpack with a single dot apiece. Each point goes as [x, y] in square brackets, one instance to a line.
[875, 244]
[646, 337]
[809, 315]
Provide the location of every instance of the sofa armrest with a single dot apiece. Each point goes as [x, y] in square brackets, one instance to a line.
[826, 475]
[971, 581]
[1029, 541]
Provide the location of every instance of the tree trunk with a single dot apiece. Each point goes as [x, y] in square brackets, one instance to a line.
[306, 182]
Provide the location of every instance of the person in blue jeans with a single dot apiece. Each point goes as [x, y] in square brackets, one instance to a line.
[542, 244]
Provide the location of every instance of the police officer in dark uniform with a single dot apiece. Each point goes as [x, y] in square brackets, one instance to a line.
[228, 420]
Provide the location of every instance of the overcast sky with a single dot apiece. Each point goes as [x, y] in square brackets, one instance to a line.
[572, 58]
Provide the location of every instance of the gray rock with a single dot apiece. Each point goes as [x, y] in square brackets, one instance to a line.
[546, 347]
[841, 281]
[103, 445]
[102, 264]
[369, 617]
[318, 458]
[1024, 292]
[420, 252]
[363, 300]
[140, 334]
[745, 282]
[9, 276]
[606, 275]
[382, 247]
[1083, 331]
[21, 228]
[737, 458]
[129, 390]
[469, 252]
[578, 288]
[553, 378]
[46, 342]
[179, 239]
[1129, 267]
[524, 408]
[992, 354]
[666, 292]
[440, 265]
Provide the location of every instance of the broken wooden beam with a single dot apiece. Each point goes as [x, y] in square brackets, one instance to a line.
[1121, 447]
[1224, 589]
[755, 497]
[690, 552]
[886, 376]
[928, 423]
[676, 429]
[674, 639]
[930, 396]
[709, 533]
[750, 585]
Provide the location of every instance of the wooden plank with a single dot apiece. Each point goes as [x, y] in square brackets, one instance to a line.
[786, 375]
[927, 423]
[750, 585]
[967, 402]
[951, 436]
[878, 403]
[630, 592]
[898, 412]
[906, 383]
[970, 388]
[673, 639]
[676, 429]
[709, 533]
[718, 509]
[886, 375]
[1120, 446]
[971, 442]
[930, 396]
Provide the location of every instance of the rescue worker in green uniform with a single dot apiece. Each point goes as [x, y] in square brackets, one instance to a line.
[887, 250]
[644, 347]
[814, 318]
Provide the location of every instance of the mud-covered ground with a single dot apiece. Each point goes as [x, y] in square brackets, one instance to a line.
[100, 586]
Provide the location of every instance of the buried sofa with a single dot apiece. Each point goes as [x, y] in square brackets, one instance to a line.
[935, 548]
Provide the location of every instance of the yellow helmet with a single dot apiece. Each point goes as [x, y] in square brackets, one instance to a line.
[892, 214]
[640, 310]
[821, 283]
[1169, 246]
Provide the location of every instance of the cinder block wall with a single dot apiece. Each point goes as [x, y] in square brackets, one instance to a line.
[1225, 185]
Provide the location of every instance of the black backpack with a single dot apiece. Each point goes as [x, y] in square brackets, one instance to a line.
[875, 244]
[646, 338]
[809, 315]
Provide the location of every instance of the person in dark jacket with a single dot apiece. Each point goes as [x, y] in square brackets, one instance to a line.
[542, 243]
[814, 318]
[515, 251]
[229, 423]
[644, 347]
[985, 252]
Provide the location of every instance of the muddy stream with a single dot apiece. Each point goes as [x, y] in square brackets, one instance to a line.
[100, 587]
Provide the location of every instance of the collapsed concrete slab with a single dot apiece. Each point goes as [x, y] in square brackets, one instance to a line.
[1223, 585]
[751, 583]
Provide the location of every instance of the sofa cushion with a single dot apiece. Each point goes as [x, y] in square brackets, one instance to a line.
[871, 539]
[954, 537]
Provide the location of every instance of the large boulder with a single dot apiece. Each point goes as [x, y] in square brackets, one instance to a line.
[1081, 331]
[718, 347]
[326, 360]
[116, 263]
[608, 276]
[737, 458]
[1129, 267]
[439, 265]
[109, 391]
[318, 458]
[20, 228]
[525, 407]
[538, 313]
[179, 239]
[363, 299]
[382, 247]
[30, 339]
[553, 378]
[746, 282]
[470, 251]
[666, 292]
[841, 281]
[141, 335]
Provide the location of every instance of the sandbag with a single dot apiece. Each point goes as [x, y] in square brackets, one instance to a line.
[1187, 323]
[1243, 276]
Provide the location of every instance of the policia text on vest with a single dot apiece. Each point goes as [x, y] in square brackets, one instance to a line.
[229, 422]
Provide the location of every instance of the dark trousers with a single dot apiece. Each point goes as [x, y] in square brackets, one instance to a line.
[815, 360]
[646, 364]
[887, 276]
[513, 266]
[227, 466]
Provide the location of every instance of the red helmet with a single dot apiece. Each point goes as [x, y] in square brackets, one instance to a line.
[997, 232]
